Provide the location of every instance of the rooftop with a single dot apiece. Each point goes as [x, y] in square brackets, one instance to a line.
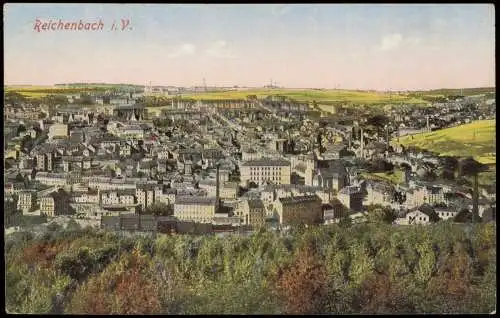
[299, 199]
[267, 162]
[195, 200]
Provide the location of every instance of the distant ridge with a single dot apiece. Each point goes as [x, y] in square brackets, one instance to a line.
[458, 91]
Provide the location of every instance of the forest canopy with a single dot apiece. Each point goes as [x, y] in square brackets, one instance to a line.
[362, 268]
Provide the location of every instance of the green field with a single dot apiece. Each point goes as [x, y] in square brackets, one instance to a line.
[476, 139]
[308, 95]
[42, 91]
[325, 98]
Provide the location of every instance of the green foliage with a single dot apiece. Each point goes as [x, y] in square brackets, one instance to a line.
[160, 209]
[32, 290]
[228, 297]
[363, 268]
[380, 214]
[361, 265]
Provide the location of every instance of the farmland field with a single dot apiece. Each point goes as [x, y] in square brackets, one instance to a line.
[308, 95]
[42, 91]
[476, 139]
[324, 97]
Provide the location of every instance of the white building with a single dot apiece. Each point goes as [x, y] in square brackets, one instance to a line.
[58, 130]
[260, 171]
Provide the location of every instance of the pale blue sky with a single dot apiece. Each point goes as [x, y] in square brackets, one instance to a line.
[320, 45]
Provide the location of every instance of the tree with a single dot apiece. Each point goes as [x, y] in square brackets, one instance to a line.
[33, 291]
[361, 265]
[27, 143]
[379, 295]
[345, 221]
[463, 216]
[449, 167]
[378, 122]
[471, 167]
[303, 284]
[160, 209]
[451, 283]
[380, 214]
[126, 287]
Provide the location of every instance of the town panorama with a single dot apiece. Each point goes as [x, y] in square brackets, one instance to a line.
[155, 198]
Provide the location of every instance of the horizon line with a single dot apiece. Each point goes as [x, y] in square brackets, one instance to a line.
[251, 87]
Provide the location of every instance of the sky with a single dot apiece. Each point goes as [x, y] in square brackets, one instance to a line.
[349, 46]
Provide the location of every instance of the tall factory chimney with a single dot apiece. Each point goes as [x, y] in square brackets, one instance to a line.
[362, 143]
[387, 137]
[217, 185]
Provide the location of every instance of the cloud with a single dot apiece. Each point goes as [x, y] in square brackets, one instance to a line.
[181, 50]
[396, 40]
[391, 42]
[220, 49]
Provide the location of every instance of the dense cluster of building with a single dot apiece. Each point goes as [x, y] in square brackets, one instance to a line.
[225, 164]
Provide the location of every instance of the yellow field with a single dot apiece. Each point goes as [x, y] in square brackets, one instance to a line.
[29, 91]
[323, 97]
[475, 139]
[320, 96]
[42, 91]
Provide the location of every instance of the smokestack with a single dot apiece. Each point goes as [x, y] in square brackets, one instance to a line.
[217, 190]
[387, 137]
[362, 143]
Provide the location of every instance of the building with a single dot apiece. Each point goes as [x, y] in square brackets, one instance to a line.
[58, 130]
[352, 198]
[446, 213]
[55, 203]
[378, 193]
[26, 201]
[130, 112]
[276, 171]
[327, 174]
[424, 214]
[52, 179]
[132, 132]
[229, 191]
[45, 161]
[195, 208]
[301, 209]
[333, 211]
[167, 196]
[253, 213]
[417, 217]
[145, 194]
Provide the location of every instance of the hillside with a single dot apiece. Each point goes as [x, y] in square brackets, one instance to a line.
[476, 139]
